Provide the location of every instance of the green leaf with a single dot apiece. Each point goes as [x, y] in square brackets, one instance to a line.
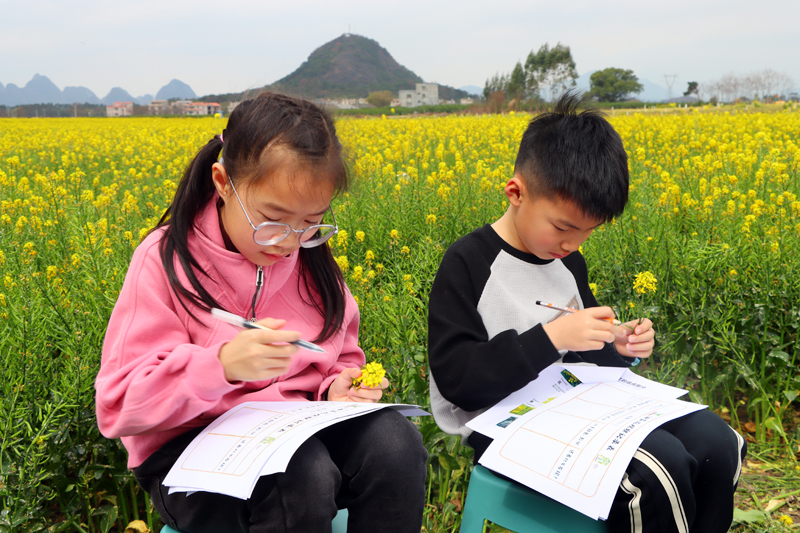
[780, 354]
[773, 424]
[109, 517]
[791, 394]
[748, 517]
[447, 461]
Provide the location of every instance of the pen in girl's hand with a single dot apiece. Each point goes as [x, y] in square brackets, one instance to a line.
[571, 310]
[236, 320]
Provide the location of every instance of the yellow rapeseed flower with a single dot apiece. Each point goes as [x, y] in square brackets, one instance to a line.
[372, 375]
[645, 282]
[360, 236]
[341, 238]
[28, 248]
[343, 263]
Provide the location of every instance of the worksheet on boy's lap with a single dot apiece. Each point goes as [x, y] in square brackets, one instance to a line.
[258, 438]
[575, 445]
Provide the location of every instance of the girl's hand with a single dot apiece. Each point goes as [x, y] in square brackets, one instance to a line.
[638, 339]
[342, 390]
[587, 329]
[253, 354]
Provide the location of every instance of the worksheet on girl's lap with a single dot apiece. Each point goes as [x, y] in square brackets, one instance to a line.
[574, 443]
[255, 439]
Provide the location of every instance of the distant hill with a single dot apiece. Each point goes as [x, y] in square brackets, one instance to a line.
[40, 90]
[79, 95]
[117, 94]
[176, 89]
[352, 66]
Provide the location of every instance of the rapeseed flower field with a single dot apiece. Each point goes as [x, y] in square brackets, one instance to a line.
[713, 217]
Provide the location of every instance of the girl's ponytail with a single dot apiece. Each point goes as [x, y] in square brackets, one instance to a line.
[194, 191]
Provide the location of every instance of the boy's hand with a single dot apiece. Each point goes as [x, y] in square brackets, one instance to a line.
[342, 390]
[637, 340]
[252, 355]
[587, 329]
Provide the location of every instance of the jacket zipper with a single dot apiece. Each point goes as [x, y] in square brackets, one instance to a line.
[259, 284]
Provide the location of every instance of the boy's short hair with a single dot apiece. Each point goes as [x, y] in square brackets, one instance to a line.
[576, 156]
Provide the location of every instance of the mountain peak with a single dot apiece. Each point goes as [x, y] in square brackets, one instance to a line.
[348, 66]
[175, 89]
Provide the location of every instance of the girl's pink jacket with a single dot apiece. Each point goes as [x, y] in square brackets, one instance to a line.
[160, 373]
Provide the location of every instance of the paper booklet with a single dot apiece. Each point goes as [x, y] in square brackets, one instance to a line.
[255, 439]
[571, 433]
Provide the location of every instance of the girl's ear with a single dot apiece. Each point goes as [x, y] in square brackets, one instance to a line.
[515, 190]
[221, 182]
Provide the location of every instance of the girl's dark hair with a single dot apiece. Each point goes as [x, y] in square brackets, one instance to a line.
[255, 129]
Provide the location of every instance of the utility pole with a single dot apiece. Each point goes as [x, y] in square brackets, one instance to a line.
[670, 80]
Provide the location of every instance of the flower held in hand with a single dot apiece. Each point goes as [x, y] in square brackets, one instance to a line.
[371, 376]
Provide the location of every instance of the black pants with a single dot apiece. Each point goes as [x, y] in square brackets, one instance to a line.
[681, 479]
[374, 465]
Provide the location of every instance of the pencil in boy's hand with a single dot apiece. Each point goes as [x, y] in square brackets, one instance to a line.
[571, 310]
[236, 320]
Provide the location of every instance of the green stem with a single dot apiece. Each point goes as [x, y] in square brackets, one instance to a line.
[134, 504]
[758, 502]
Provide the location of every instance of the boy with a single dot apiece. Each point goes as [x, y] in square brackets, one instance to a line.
[487, 338]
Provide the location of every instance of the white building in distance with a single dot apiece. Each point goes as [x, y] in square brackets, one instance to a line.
[120, 109]
[424, 94]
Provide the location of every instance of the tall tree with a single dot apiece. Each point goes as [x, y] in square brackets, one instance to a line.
[691, 89]
[550, 71]
[497, 83]
[613, 84]
[516, 83]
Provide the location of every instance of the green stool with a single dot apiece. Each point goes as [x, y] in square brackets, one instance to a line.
[519, 508]
[339, 524]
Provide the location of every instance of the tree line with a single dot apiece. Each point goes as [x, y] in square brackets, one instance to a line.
[766, 84]
[549, 72]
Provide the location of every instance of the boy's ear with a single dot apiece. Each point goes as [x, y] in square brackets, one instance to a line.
[515, 190]
[221, 182]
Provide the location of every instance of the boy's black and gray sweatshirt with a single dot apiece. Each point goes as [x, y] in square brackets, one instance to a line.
[485, 334]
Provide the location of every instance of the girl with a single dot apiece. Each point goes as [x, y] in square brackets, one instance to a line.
[246, 233]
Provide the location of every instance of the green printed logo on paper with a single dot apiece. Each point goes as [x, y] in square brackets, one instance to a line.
[268, 440]
[521, 410]
[570, 377]
[603, 460]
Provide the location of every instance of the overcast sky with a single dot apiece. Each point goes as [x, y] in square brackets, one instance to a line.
[219, 47]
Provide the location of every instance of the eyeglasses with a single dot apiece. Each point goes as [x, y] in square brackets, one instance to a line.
[269, 233]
